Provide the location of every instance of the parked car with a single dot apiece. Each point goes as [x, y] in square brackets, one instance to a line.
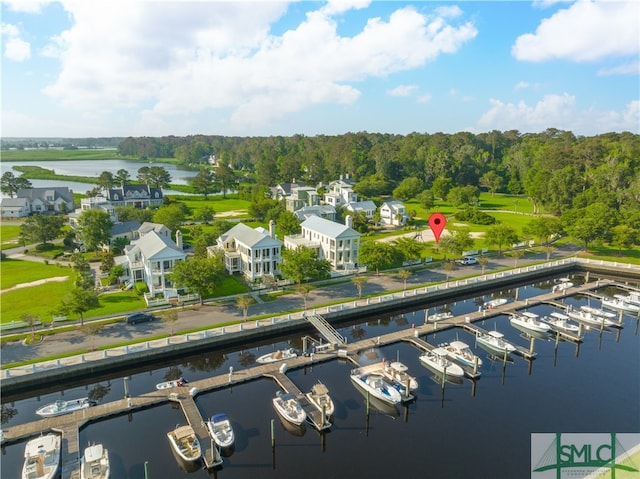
[136, 318]
[467, 260]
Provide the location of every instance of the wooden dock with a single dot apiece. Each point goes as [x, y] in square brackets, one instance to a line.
[314, 416]
[70, 424]
[211, 454]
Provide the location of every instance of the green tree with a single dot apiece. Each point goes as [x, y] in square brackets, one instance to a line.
[404, 275]
[244, 302]
[159, 176]
[92, 330]
[408, 188]
[491, 181]
[121, 177]
[105, 180]
[94, 228]
[78, 301]
[201, 275]
[172, 216]
[379, 255]
[41, 228]
[10, 184]
[144, 174]
[108, 262]
[205, 214]
[31, 320]
[118, 244]
[483, 261]
[359, 281]
[302, 264]
[410, 248]
[288, 223]
[500, 235]
[115, 274]
[426, 199]
[303, 290]
[624, 236]
[457, 241]
[543, 229]
[463, 195]
[225, 176]
[204, 182]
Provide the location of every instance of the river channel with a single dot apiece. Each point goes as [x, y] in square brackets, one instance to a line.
[467, 430]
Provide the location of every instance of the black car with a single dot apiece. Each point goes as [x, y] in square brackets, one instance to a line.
[139, 318]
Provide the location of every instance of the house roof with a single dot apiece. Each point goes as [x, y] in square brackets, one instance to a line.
[318, 210]
[14, 202]
[147, 226]
[329, 228]
[57, 192]
[250, 237]
[134, 191]
[154, 246]
[394, 204]
[124, 227]
[361, 206]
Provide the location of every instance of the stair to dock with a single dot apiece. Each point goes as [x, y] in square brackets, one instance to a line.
[325, 329]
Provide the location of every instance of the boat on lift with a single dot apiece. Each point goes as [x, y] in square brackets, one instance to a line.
[398, 374]
[319, 398]
[376, 385]
[289, 408]
[589, 318]
[95, 463]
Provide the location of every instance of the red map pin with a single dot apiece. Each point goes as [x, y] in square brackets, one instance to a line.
[437, 222]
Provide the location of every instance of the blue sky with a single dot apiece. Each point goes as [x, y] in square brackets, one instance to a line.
[78, 68]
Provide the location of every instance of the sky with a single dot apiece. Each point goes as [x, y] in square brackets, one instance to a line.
[79, 68]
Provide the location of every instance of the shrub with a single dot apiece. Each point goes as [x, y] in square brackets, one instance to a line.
[475, 216]
[141, 288]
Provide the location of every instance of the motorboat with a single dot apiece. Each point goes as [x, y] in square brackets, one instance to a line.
[175, 383]
[383, 407]
[633, 297]
[61, 407]
[279, 355]
[42, 457]
[560, 322]
[376, 385]
[95, 463]
[620, 303]
[462, 353]
[529, 321]
[494, 342]
[590, 318]
[221, 431]
[319, 398]
[398, 373]
[494, 303]
[563, 284]
[289, 408]
[185, 443]
[437, 361]
[432, 318]
[598, 312]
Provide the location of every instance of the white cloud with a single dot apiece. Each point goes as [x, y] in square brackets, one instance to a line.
[632, 68]
[26, 6]
[15, 48]
[402, 90]
[585, 31]
[424, 98]
[175, 60]
[558, 111]
[521, 85]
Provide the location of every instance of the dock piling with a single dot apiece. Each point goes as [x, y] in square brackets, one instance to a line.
[273, 434]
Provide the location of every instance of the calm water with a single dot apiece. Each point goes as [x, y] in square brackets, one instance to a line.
[467, 430]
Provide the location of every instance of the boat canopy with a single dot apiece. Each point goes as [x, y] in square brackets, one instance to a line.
[559, 315]
[320, 389]
[93, 453]
[458, 345]
[219, 417]
[183, 431]
[398, 366]
[496, 334]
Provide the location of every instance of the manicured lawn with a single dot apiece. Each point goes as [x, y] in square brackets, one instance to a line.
[14, 271]
[219, 204]
[9, 235]
[38, 300]
[118, 303]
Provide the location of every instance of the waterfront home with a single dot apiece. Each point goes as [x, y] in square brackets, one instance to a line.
[38, 200]
[393, 213]
[138, 196]
[338, 243]
[253, 252]
[150, 259]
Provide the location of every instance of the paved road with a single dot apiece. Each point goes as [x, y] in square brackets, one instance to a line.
[214, 313]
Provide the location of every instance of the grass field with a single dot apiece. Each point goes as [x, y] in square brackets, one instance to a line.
[9, 234]
[38, 300]
[13, 271]
[44, 155]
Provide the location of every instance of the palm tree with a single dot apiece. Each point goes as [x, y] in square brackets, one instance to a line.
[32, 321]
[360, 281]
[244, 302]
[483, 260]
[449, 267]
[170, 316]
[404, 275]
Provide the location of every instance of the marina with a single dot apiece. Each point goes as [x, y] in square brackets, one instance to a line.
[190, 409]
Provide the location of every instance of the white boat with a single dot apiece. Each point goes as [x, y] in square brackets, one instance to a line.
[175, 383]
[494, 303]
[398, 373]
[530, 321]
[619, 302]
[599, 312]
[185, 443]
[461, 352]
[590, 318]
[438, 362]
[42, 457]
[221, 431]
[561, 322]
[95, 463]
[563, 284]
[633, 297]
[61, 407]
[319, 398]
[376, 385]
[289, 408]
[280, 355]
[494, 342]
[432, 318]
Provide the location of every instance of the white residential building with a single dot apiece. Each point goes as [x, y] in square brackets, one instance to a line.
[340, 192]
[393, 213]
[252, 252]
[300, 197]
[338, 243]
[56, 199]
[150, 259]
[368, 207]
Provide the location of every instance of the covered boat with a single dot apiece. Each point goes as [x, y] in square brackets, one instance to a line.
[185, 443]
[61, 407]
[42, 457]
[289, 408]
[280, 355]
[319, 398]
[95, 463]
[561, 322]
[221, 431]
